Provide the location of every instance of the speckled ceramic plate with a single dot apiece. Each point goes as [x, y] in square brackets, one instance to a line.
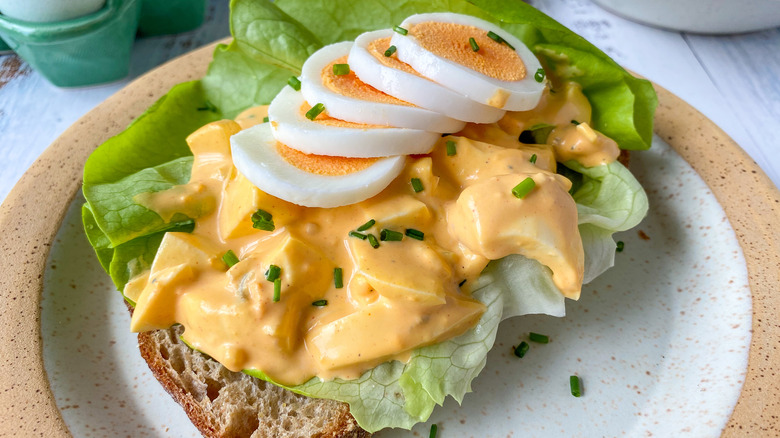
[662, 341]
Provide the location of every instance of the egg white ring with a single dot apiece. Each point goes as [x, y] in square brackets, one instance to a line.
[362, 111]
[293, 129]
[523, 95]
[255, 156]
[414, 89]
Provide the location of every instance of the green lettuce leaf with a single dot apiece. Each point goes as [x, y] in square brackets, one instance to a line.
[150, 155]
[609, 200]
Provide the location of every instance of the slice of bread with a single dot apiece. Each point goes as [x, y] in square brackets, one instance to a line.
[222, 403]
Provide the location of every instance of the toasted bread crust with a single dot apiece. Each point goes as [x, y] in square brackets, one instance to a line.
[221, 403]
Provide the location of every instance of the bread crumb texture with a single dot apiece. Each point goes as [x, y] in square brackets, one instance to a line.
[222, 403]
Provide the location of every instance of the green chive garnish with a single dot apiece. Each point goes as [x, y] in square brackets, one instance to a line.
[451, 148]
[522, 349]
[340, 69]
[434, 429]
[272, 273]
[262, 220]
[208, 107]
[315, 111]
[320, 303]
[574, 122]
[533, 159]
[360, 236]
[277, 289]
[390, 235]
[524, 188]
[574, 383]
[372, 241]
[230, 258]
[417, 185]
[338, 278]
[620, 246]
[366, 225]
[265, 119]
[415, 234]
[539, 76]
[399, 29]
[390, 50]
[473, 44]
[540, 339]
[295, 83]
[497, 38]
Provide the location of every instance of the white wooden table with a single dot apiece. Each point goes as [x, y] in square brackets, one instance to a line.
[733, 80]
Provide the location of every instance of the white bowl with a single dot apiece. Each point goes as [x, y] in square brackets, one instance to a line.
[700, 16]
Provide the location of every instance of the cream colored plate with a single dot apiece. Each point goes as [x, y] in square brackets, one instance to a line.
[33, 212]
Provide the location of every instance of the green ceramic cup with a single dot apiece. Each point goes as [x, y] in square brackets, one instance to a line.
[4, 47]
[160, 17]
[88, 50]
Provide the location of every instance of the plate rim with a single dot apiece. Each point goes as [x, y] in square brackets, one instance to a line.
[27, 403]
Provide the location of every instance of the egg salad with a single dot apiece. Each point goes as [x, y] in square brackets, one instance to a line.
[349, 213]
[349, 228]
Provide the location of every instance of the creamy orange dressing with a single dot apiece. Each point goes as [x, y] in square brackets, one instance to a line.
[349, 85]
[584, 145]
[395, 298]
[451, 41]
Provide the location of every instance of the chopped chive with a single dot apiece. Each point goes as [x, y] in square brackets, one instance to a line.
[372, 241]
[390, 235]
[338, 278]
[262, 220]
[390, 50]
[497, 38]
[524, 188]
[295, 83]
[451, 148]
[265, 119]
[574, 383]
[340, 69]
[533, 159]
[277, 289]
[522, 349]
[320, 303]
[434, 429]
[230, 258]
[360, 236]
[272, 273]
[620, 246]
[574, 122]
[473, 44]
[540, 339]
[399, 29]
[315, 111]
[415, 234]
[539, 76]
[462, 283]
[417, 185]
[366, 225]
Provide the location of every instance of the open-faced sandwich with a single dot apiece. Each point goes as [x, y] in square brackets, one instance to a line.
[350, 222]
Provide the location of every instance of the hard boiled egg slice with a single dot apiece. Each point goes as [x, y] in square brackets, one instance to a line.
[499, 74]
[387, 73]
[309, 180]
[348, 98]
[328, 136]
